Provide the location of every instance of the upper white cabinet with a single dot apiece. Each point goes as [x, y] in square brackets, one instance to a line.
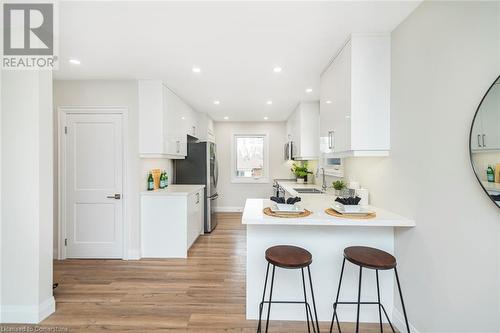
[205, 129]
[165, 121]
[302, 129]
[355, 99]
[485, 131]
[151, 116]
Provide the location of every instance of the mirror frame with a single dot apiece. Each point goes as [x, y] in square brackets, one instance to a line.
[470, 140]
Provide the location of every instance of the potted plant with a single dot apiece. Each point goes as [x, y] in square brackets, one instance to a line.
[338, 185]
[301, 172]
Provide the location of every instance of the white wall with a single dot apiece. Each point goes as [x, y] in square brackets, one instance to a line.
[26, 192]
[445, 56]
[231, 195]
[114, 93]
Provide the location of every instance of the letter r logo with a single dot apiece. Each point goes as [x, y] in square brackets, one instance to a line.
[28, 29]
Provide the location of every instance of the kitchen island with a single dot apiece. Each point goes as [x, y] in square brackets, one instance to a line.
[325, 237]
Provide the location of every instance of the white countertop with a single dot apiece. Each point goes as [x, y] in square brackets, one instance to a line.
[253, 214]
[495, 187]
[175, 190]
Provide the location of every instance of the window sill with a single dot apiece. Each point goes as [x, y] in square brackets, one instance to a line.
[263, 180]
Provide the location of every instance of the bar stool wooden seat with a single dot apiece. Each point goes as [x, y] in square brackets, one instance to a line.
[289, 257]
[370, 258]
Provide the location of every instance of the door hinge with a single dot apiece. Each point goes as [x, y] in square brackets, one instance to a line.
[65, 129]
[65, 242]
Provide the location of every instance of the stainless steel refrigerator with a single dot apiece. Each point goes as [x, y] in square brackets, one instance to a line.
[200, 167]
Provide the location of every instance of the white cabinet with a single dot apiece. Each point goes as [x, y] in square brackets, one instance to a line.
[355, 99]
[205, 128]
[302, 129]
[171, 222]
[165, 120]
[175, 123]
[486, 129]
[151, 129]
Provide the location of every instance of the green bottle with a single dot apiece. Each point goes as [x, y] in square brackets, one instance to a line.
[151, 182]
[162, 180]
[166, 179]
[490, 174]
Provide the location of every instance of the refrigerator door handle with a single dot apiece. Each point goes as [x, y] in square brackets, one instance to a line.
[216, 173]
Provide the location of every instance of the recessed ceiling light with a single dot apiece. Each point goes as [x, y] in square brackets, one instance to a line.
[226, 118]
[74, 61]
[328, 102]
[216, 102]
[183, 118]
[196, 69]
[309, 90]
[277, 69]
[269, 102]
[266, 118]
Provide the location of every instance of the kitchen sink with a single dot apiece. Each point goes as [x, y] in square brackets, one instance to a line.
[308, 190]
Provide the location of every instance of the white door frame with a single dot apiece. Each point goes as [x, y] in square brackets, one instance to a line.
[62, 113]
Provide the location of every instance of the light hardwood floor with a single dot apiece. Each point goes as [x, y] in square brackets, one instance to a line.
[202, 294]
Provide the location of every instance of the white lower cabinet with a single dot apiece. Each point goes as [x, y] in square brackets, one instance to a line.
[171, 221]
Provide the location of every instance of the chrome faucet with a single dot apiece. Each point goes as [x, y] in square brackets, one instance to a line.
[323, 187]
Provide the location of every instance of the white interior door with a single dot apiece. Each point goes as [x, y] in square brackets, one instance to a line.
[94, 169]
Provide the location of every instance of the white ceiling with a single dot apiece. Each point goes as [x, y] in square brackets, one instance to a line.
[236, 45]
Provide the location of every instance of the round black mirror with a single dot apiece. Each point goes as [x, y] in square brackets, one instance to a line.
[484, 142]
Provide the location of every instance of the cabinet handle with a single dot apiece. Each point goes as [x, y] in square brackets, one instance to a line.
[116, 196]
[479, 140]
[484, 144]
[197, 198]
[329, 139]
[178, 147]
[194, 130]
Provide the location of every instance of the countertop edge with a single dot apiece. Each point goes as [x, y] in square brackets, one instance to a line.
[189, 189]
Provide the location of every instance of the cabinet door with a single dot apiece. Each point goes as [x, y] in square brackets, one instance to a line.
[174, 125]
[326, 111]
[490, 119]
[193, 224]
[341, 105]
[150, 117]
[477, 133]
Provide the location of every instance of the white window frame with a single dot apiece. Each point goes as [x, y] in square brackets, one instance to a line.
[264, 179]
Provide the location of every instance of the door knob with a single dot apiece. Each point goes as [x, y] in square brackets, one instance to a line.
[116, 196]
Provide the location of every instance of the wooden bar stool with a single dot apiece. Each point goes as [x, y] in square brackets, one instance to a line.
[289, 257]
[370, 258]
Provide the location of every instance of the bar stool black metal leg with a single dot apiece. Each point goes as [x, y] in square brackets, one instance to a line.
[379, 304]
[359, 298]
[261, 306]
[305, 300]
[270, 299]
[313, 300]
[402, 302]
[336, 301]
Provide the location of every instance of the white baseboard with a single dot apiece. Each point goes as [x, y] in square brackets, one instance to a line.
[399, 321]
[28, 314]
[228, 209]
[133, 254]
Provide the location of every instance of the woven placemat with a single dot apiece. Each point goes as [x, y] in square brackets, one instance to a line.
[367, 216]
[269, 212]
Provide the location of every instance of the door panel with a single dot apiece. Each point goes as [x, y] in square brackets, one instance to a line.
[94, 174]
[214, 170]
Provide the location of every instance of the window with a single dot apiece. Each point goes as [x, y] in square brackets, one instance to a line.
[250, 158]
